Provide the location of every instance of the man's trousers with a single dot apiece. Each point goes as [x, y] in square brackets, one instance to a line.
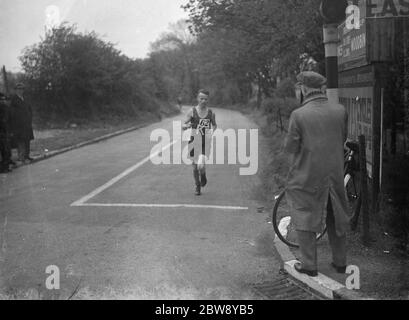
[23, 149]
[5, 152]
[308, 244]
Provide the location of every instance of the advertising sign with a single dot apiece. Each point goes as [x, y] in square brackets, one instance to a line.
[359, 105]
[369, 40]
[352, 47]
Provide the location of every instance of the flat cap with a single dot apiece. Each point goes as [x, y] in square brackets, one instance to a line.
[311, 79]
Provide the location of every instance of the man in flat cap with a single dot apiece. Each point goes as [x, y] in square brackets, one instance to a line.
[315, 184]
[22, 124]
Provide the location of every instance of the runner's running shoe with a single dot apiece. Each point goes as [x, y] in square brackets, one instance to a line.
[197, 192]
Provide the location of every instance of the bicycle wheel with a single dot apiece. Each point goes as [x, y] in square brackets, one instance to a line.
[353, 191]
[282, 222]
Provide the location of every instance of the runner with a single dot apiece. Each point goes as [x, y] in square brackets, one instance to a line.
[202, 120]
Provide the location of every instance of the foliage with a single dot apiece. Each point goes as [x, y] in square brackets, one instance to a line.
[277, 104]
[236, 49]
[258, 40]
[286, 88]
[239, 49]
[75, 75]
[174, 54]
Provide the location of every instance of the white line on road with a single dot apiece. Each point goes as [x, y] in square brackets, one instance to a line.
[110, 183]
[137, 205]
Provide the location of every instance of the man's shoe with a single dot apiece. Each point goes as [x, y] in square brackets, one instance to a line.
[339, 269]
[197, 192]
[300, 269]
[203, 179]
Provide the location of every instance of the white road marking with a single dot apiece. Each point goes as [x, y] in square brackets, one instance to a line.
[110, 183]
[141, 205]
[83, 201]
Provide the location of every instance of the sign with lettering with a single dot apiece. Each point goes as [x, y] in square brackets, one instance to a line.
[386, 8]
[382, 8]
[352, 47]
[367, 41]
[359, 105]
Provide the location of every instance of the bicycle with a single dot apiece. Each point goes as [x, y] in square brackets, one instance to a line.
[352, 184]
[281, 216]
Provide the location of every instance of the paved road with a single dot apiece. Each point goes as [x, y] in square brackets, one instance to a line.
[118, 249]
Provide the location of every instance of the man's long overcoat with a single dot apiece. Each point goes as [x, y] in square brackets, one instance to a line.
[317, 132]
[4, 120]
[21, 119]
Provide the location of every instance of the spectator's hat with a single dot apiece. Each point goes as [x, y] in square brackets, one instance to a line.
[311, 79]
[19, 86]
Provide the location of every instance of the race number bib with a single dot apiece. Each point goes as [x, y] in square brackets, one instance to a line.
[204, 124]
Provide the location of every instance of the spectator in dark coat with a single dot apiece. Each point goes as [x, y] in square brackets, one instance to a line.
[315, 186]
[22, 129]
[5, 150]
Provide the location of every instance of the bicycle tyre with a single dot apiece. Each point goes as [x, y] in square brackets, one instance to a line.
[279, 213]
[354, 200]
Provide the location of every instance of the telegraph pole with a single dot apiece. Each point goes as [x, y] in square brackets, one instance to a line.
[333, 12]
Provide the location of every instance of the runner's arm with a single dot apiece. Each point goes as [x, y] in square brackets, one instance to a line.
[187, 123]
[214, 124]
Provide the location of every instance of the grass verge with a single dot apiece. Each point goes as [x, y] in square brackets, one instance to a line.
[56, 138]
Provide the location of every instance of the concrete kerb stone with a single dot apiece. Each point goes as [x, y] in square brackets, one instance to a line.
[322, 284]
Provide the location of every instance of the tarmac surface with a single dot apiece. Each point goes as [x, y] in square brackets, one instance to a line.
[119, 227]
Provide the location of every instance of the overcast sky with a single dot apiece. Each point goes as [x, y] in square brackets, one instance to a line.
[131, 24]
